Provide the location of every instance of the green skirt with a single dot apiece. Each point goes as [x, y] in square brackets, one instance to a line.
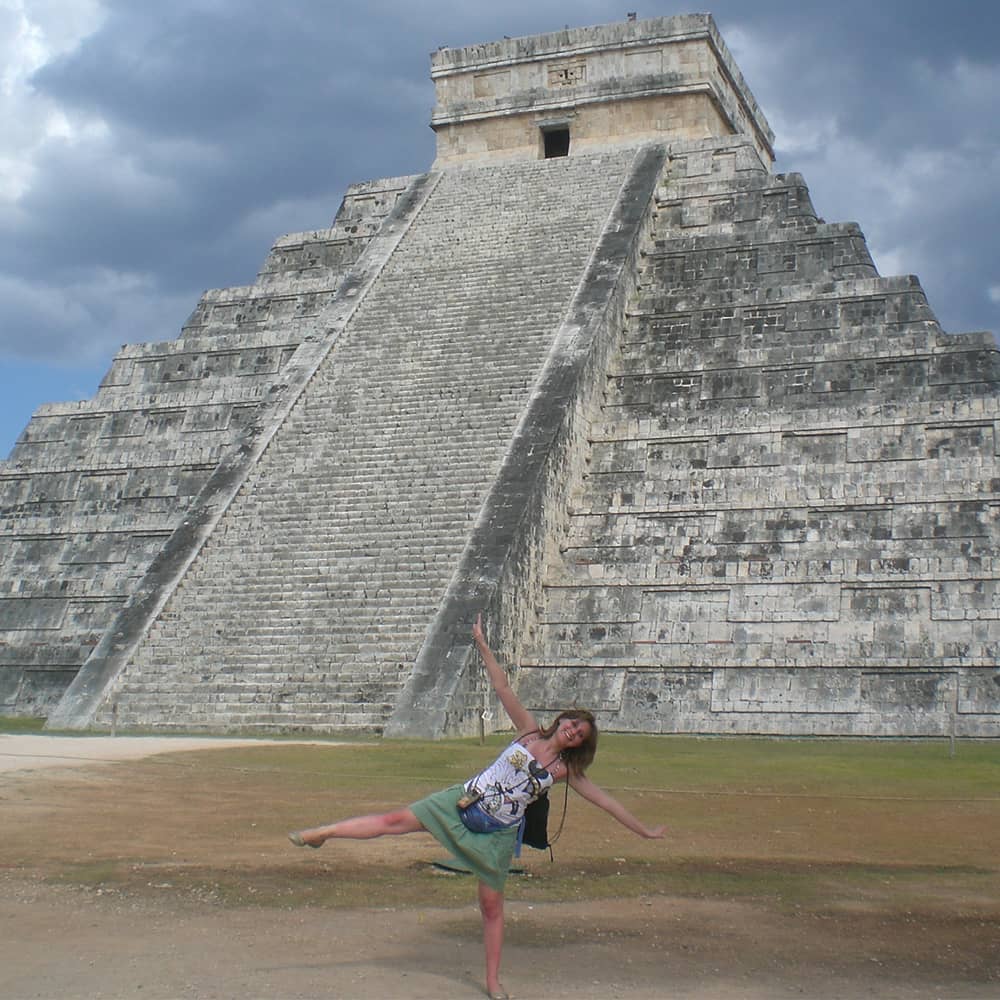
[487, 854]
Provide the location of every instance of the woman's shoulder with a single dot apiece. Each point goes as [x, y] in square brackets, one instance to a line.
[528, 735]
[529, 739]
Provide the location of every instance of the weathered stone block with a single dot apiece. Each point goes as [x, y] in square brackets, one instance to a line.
[798, 691]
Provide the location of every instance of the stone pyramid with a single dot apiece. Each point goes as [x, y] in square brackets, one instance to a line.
[600, 374]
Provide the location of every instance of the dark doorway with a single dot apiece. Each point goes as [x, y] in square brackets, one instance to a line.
[556, 142]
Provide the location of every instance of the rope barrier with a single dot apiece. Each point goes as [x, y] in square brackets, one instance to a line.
[640, 789]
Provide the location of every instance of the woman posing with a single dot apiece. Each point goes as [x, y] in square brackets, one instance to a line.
[478, 821]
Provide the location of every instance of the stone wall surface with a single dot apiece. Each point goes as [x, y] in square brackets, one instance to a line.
[307, 604]
[790, 517]
[92, 490]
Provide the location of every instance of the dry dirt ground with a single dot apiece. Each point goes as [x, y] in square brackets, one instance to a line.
[169, 875]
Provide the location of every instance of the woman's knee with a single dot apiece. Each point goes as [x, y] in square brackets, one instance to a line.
[490, 902]
[401, 821]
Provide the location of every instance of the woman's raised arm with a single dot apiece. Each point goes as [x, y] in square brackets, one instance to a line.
[600, 798]
[524, 721]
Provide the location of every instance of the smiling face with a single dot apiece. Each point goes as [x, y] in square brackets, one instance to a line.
[574, 732]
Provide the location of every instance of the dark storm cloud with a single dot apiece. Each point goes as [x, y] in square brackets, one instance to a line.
[195, 133]
[210, 117]
[212, 113]
[885, 81]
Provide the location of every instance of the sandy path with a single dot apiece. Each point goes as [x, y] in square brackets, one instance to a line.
[37, 751]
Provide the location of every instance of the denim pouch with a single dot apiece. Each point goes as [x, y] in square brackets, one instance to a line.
[478, 820]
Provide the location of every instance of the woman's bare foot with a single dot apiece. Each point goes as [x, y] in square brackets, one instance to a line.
[300, 839]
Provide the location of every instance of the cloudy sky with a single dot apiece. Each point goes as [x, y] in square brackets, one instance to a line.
[152, 150]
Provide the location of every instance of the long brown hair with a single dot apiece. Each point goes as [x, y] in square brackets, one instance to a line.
[576, 759]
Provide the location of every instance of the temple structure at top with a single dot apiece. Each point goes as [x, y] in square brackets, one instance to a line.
[599, 374]
[589, 88]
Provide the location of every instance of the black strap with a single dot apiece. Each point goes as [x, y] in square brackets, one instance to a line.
[527, 781]
[562, 819]
[558, 756]
[549, 841]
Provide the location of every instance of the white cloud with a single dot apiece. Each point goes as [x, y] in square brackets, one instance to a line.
[963, 85]
[95, 313]
[32, 34]
[265, 224]
[993, 292]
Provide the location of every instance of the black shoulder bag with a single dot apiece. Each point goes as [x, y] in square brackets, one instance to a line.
[536, 822]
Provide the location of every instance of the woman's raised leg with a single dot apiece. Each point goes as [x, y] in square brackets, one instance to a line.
[389, 824]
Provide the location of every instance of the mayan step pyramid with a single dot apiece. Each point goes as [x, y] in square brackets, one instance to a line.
[601, 374]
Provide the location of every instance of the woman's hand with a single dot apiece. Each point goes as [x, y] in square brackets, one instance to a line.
[478, 636]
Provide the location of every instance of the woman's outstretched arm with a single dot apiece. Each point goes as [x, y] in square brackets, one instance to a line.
[600, 798]
[524, 721]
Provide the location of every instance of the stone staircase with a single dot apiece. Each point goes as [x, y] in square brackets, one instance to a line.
[306, 607]
[789, 517]
[93, 489]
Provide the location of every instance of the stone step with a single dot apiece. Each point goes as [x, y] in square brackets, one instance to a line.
[658, 499]
[264, 687]
[896, 418]
[118, 401]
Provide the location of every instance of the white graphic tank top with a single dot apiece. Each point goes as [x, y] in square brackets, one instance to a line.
[511, 783]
